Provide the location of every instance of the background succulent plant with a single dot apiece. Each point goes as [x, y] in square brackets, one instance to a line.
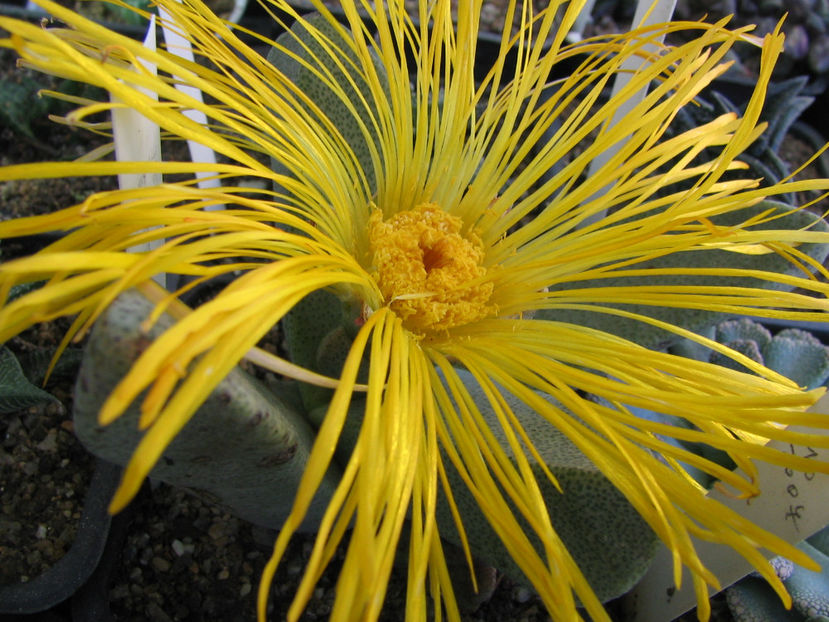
[794, 353]
[800, 356]
[806, 25]
[768, 157]
[752, 600]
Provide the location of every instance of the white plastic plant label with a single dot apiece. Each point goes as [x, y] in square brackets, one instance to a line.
[792, 504]
[179, 45]
[136, 138]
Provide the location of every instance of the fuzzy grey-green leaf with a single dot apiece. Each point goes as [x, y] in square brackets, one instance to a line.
[609, 540]
[743, 329]
[746, 347]
[693, 319]
[297, 47]
[799, 356]
[244, 447]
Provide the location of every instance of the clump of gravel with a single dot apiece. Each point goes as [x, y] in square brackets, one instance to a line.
[186, 559]
[44, 474]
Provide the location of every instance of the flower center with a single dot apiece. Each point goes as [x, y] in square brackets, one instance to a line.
[430, 274]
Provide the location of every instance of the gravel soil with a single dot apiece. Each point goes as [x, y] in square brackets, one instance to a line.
[44, 474]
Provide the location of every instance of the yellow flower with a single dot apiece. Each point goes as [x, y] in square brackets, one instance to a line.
[449, 232]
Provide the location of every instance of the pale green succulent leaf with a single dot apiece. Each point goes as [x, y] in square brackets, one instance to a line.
[810, 590]
[609, 540]
[799, 356]
[245, 447]
[611, 543]
[820, 540]
[302, 44]
[743, 330]
[695, 320]
[746, 347]
[752, 600]
[693, 350]
[710, 453]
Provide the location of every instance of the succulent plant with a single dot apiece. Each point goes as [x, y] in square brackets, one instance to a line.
[800, 356]
[794, 353]
[806, 26]
[318, 335]
[752, 600]
[786, 102]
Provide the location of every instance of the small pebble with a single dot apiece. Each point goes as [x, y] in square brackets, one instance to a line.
[245, 589]
[224, 573]
[178, 547]
[119, 592]
[157, 614]
[521, 594]
[161, 564]
[50, 442]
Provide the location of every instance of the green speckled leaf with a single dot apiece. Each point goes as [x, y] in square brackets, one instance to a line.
[611, 543]
[606, 536]
[799, 356]
[692, 319]
[16, 392]
[306, 326]
[330, 103]
[752, 600]
[244, 447]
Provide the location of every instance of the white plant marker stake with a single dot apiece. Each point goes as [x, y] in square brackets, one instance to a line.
[792, 505]
[180, 46]
[648, 12]
[577, 31]
[137, 139]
